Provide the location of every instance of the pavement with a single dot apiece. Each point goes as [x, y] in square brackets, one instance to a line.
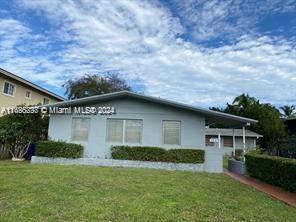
[276, 192]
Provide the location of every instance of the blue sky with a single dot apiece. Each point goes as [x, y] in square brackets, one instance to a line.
[197, 52]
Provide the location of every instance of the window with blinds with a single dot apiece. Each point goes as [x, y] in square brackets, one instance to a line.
[171, 132]
[228, 141]
[133, 131]
[80, 128]
[114, 130]
[124, 131]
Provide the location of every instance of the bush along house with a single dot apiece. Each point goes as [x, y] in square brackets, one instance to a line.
[130, 119]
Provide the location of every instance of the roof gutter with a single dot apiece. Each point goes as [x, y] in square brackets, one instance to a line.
[120, 94]
[33, 85]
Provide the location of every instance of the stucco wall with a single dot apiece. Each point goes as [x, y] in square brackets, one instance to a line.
[192, 126]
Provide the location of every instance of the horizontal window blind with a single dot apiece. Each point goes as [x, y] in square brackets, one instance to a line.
[133, 131]
[114, 130]
[171, 132]
[124, 131]
[80, 129]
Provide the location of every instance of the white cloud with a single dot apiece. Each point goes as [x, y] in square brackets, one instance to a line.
[229, 19]
[141, 40]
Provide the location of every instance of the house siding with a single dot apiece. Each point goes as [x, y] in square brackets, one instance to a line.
[192, 126]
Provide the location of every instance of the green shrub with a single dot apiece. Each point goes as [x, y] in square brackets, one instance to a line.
[58, 149]
[137, 153]
[157, 154]
[273, 170]
[238, 155]
[18, 130]
[257, 150]
[185, 156]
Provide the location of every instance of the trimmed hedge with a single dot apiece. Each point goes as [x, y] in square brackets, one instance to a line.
[185, 156]
[49, 148]
[138, 153]
[157, 154]
[277, 171]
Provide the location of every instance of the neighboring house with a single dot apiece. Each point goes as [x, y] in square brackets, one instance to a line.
[291, 124]
[18, 91]
[139, 120]
[230, 139]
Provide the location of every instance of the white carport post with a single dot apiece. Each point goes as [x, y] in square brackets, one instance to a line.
[244, 141]
[233, 141]
[219, 141]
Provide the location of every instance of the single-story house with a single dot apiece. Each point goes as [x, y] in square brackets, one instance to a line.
[230, 139]
[136, 119]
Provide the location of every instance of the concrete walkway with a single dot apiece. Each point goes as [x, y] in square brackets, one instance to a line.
[287, 197]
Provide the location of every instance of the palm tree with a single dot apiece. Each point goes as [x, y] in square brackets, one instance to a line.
[241, 103]
[289, 111]
[244, 100]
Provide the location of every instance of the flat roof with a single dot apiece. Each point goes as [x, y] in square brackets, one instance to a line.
[229, 132]
[211, 116]
[33, 85]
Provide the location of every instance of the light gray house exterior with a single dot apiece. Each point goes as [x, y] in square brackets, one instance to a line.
[138, 120]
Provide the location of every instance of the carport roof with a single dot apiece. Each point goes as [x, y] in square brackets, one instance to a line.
[229, 132]
[210, 115]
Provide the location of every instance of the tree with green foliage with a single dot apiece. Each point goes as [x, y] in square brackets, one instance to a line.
[269, 123]
[289, 111]
[18, 131]
[91, 85]
[218, 109]
[272, 128]
[243, 105]
[288, 147]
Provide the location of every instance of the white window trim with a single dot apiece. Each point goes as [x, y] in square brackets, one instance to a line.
[14, 91]
[30, 94]
[123, 131]
[88, 127]
[180, 139]
[123, 142]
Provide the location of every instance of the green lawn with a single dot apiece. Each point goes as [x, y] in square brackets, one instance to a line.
[86, 193]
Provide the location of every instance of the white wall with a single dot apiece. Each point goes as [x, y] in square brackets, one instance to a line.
[192, 126]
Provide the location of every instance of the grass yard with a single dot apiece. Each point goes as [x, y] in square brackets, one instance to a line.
[87, 193]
